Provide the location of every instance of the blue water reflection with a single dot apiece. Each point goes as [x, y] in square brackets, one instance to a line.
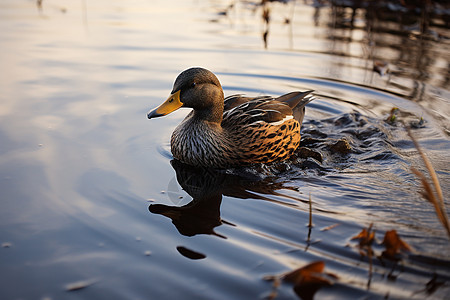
[80, 164]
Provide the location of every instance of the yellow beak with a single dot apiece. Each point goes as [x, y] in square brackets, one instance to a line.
[171, 104]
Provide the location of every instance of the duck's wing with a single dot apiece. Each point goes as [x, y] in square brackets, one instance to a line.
[239, 110]
[233, 101]
[261, 130]
[254, 111]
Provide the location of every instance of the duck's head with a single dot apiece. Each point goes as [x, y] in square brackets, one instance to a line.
[196, 88]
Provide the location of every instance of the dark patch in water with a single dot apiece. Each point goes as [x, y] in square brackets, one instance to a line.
[191, 254]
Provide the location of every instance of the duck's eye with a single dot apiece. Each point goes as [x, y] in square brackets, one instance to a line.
[193, 84]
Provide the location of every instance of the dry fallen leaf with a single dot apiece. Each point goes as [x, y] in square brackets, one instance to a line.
[305, 273]
[307, 280]
[394, 245]
[366, 237]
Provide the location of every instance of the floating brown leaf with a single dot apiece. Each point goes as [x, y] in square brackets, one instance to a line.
[305, 273]
[308, 279]
[366, 237]
[394, 245]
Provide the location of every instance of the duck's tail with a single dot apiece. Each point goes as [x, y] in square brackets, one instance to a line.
[297, 102]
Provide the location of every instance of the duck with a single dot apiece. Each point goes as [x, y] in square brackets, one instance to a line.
[234, 131]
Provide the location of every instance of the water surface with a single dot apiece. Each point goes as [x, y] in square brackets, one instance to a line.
[93, 205]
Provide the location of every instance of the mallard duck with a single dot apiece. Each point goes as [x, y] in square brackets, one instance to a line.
[233, 131]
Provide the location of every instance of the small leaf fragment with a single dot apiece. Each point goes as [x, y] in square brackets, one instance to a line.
[332, 226]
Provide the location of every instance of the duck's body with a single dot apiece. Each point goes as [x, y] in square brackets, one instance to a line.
[234, 131]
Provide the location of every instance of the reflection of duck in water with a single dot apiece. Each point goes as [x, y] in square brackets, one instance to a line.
[206, 187]
[202, 214]
[234, 131]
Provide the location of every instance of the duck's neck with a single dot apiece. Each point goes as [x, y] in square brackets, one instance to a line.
[213, 114]
[210, 108]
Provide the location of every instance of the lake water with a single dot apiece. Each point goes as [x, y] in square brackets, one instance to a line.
[93, 206]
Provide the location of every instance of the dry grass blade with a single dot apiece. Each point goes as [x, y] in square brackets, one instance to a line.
[429, 166]
[438, 201]
[429, 195]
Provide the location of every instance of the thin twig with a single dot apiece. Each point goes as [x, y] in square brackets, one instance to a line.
[310, 225]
